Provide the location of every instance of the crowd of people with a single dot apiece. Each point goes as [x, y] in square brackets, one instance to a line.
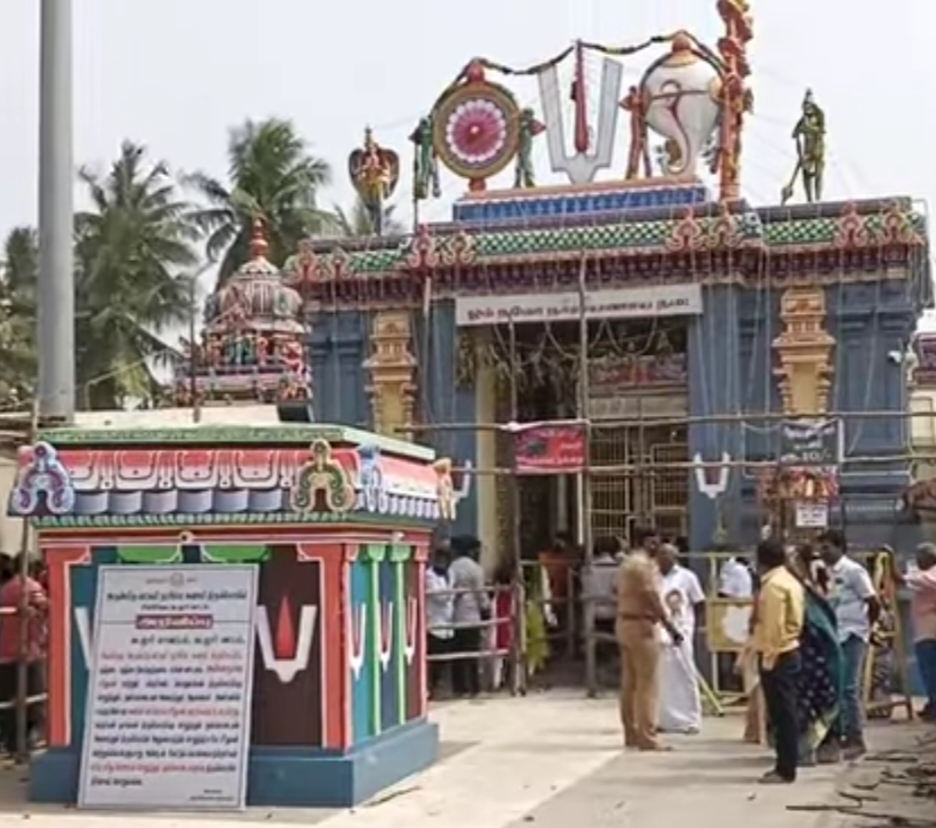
[815, 614]
[814, 625]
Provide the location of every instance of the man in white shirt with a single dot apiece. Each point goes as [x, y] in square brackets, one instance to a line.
[680, 701]
[440, 610]
[599, 584]
[735, 580]
[472, 607]
[852, 596]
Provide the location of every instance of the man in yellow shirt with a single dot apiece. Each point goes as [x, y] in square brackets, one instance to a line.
[779, 615]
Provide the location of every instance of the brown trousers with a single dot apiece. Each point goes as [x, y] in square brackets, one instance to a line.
[640, 689]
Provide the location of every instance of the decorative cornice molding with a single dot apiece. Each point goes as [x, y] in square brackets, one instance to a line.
[755, 249]
[698, 229]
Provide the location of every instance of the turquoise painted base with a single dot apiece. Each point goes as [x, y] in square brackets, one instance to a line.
[285, 777]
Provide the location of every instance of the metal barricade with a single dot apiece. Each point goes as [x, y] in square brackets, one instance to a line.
[725, 625]
[489, 650]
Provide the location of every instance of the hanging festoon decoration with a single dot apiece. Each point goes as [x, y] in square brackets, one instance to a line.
[476, 127]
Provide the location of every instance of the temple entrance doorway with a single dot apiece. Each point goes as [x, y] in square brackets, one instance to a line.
[637, 369]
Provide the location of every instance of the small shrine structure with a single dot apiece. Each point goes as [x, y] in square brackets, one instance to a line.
[337, 523]
[253, 346]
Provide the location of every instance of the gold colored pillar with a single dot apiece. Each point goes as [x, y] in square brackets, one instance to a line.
[805, 351]
[392, 368]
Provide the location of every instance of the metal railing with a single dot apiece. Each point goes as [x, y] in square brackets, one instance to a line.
[487, 651]
[560, 615]
[563, 616]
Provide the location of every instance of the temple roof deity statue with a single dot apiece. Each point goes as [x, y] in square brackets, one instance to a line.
[374, 172]
[253, 344]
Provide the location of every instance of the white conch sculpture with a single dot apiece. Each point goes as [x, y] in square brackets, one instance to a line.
[681, 94]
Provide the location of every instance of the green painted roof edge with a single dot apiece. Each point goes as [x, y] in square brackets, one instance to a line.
[227, 520]
[817, 231]
[293, 434]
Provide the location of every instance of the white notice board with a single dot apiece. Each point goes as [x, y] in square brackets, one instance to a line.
[812, 515]
[168, 718]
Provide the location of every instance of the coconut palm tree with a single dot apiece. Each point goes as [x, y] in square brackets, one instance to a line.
[271, 177]
[18, 365]
[132, 253]
[357, 221]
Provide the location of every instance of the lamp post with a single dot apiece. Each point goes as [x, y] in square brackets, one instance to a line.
[56, 294]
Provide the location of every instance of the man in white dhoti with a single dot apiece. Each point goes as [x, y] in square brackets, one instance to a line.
[680, 700]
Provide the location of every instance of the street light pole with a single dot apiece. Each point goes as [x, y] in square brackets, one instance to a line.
[56, 293]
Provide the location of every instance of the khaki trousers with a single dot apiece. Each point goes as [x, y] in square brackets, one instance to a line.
[640, 657]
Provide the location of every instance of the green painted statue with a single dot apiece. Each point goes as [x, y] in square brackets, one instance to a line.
[809, 135]
[426, 164]
[529, 127]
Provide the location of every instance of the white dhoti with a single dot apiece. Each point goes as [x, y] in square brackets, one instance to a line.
[680, 700]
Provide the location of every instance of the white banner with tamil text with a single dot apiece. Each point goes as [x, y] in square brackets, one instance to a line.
[620, 303]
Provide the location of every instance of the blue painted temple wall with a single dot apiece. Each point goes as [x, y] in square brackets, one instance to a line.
[731, 370]
[715, 387]
[443, 401]
[338, 346]
[731, 365]
[871, 322]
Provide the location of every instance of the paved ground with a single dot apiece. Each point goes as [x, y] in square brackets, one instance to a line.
[548, 760]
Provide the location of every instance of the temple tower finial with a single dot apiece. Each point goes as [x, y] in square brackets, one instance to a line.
[258, 240]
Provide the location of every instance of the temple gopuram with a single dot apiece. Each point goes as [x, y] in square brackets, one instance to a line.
[717, 333]
[253, 344]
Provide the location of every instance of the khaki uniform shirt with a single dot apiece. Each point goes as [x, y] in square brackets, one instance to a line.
[639, 591]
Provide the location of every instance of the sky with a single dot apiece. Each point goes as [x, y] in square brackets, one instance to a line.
[175, 75]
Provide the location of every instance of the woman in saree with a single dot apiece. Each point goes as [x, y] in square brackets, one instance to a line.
[821, 654]
[537, 622]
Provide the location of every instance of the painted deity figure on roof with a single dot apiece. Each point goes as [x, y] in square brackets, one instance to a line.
[809, 135]
[529, 128]
[374, 171]
[426, 165]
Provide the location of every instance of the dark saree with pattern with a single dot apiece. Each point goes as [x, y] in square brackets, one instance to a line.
[821, 675]
[820, 681]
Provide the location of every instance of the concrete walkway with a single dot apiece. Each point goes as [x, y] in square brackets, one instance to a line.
[548, 760]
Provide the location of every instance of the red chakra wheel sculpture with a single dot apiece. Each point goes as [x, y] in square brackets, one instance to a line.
[476, 129]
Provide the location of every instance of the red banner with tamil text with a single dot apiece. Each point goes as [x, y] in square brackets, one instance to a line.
[549, 449]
